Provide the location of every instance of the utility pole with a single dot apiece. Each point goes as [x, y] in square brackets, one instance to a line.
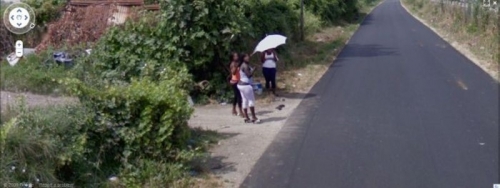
[302, 20]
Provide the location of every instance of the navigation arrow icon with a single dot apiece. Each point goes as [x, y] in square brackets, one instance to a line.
[19, 10]
[19, 24]
[26, 17]
[12, 17]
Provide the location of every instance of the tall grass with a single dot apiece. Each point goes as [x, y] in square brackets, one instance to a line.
[38, 141]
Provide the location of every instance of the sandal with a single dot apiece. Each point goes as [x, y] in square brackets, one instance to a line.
[256, 121]
[248, 121]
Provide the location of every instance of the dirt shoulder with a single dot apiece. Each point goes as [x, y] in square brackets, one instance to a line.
[9, 99]
[234, 156]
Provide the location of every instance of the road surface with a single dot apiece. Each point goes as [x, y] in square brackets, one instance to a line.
[399, 108]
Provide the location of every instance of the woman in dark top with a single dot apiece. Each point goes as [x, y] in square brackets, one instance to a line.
[235, 78]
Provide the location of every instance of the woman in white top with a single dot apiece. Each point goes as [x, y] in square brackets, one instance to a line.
[269, 60]
[246, 89]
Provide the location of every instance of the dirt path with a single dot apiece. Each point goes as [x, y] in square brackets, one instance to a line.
[234, 156]
[11, 98]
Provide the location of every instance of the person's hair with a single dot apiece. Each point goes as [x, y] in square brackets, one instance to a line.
[242, 58]
[232, 56]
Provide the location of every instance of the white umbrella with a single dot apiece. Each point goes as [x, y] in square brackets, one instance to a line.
[271, 41]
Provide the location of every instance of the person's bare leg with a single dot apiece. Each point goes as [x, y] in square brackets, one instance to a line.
[245, 112]
[252, 110]
[241, 112]
[234, 110]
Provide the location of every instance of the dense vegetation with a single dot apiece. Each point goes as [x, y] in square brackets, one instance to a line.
[131, 121]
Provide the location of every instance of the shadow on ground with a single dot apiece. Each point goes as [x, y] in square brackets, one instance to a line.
[368, 19]
[264, 112]
[271, 119]
[210, 136]
[298, 95]
[369, 50]
[212, 164]
[216, 165]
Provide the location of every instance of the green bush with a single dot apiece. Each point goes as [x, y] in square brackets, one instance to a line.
[46, 10]
[196, 35]
[312, 23]
[334, 11]
[201, 31]
[143, 120]
[134, 131]
[125, 52]
[273, 17]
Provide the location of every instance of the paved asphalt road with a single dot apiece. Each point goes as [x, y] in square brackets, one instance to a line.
[399, 108]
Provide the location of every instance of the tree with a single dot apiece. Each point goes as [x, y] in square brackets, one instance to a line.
[202, 31]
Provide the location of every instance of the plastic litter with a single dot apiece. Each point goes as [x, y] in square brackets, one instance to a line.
[113, 178]
[63, 58]
[13, 59]
[257, 87]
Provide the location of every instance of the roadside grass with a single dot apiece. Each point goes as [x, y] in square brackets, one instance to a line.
[10, 111]
[476, 31]
[32, 75]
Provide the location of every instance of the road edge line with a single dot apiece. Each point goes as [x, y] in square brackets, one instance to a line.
[458, 47]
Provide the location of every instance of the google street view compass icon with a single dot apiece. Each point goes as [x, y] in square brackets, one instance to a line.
[19, 18]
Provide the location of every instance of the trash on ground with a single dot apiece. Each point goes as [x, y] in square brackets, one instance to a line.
[113, 178]
[12, 59]
[257, 87]
[281, 106]
[63, 58]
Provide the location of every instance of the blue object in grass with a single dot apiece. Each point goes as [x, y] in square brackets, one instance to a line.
[257, 87]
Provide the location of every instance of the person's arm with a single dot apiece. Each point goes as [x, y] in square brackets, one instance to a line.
[276, 56]
[262, 57]
[234, 68]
